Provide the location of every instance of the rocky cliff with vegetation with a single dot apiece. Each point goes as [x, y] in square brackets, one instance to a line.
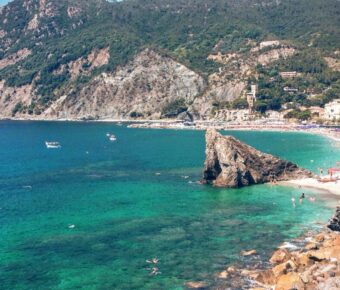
[231, 163]
[162, 59]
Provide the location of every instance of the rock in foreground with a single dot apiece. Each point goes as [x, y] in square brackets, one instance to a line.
[334, 223]
[231, 163]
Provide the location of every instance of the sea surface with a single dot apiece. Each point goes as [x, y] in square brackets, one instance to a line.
[89, 215]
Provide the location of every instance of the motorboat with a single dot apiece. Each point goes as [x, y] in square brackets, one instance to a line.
[112, 137]
[52, 145]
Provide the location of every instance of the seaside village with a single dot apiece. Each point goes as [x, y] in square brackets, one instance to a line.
[323, 121]
[329, 114]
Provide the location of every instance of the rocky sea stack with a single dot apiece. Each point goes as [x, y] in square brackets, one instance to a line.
[231, 163]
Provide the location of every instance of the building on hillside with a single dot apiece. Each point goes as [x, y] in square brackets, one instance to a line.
[290, 90]
[288, 74]
[269, 43]
[251, 98]
[332, 110]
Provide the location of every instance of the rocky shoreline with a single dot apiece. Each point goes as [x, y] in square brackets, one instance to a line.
[315, 265]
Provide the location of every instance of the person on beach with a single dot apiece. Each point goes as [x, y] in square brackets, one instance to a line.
[321, 171]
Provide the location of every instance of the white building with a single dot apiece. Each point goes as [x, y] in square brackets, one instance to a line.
[290, 90]
[332, 110]
[271, 43]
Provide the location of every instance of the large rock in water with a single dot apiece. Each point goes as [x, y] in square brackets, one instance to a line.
[334, 223]
[231, 163]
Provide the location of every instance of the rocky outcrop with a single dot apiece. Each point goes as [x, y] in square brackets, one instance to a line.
[334, 223]
[14, 97]
[333, 63]
[85, 65]
[229, 83]
[275, 54]
[141, 88]
[14, 58]
[231, 163]
[311, 266]
[316, 268]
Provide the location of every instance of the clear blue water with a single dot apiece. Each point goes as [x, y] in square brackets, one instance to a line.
[124, 213]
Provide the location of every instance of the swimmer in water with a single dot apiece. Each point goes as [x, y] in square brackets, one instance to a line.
[293, 201]
[153, 261]
[154, 271]
[302, 196]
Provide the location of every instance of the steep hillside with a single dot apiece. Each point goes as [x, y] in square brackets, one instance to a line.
[142, 88]
[82, 58]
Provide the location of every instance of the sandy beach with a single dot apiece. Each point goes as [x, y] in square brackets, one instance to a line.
[329, 132]
[329, 187]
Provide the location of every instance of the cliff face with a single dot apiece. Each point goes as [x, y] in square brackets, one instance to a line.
[231, 163]
[141, 88]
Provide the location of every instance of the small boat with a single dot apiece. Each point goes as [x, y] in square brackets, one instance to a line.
[52, 145]
[112, 137]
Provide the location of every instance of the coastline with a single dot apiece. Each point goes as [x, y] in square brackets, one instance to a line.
[312, 183]
[311, 263]
[172, 124]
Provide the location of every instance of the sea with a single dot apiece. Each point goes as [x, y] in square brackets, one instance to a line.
[94, 213]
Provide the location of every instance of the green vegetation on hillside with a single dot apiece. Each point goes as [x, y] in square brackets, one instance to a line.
[187, 30]
[315, 84]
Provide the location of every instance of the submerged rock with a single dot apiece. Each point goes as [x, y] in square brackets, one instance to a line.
[334, 223]
[248, 253]
[196, 285]
[231, 163]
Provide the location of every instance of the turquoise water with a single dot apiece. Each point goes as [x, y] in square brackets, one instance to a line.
[124, 213]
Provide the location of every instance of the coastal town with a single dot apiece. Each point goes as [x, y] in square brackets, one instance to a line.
[324, 121]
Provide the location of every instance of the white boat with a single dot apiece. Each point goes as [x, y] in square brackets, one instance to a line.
[112, 137]
[52, 145]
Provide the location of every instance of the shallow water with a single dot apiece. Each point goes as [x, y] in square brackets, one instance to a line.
[124, 213]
